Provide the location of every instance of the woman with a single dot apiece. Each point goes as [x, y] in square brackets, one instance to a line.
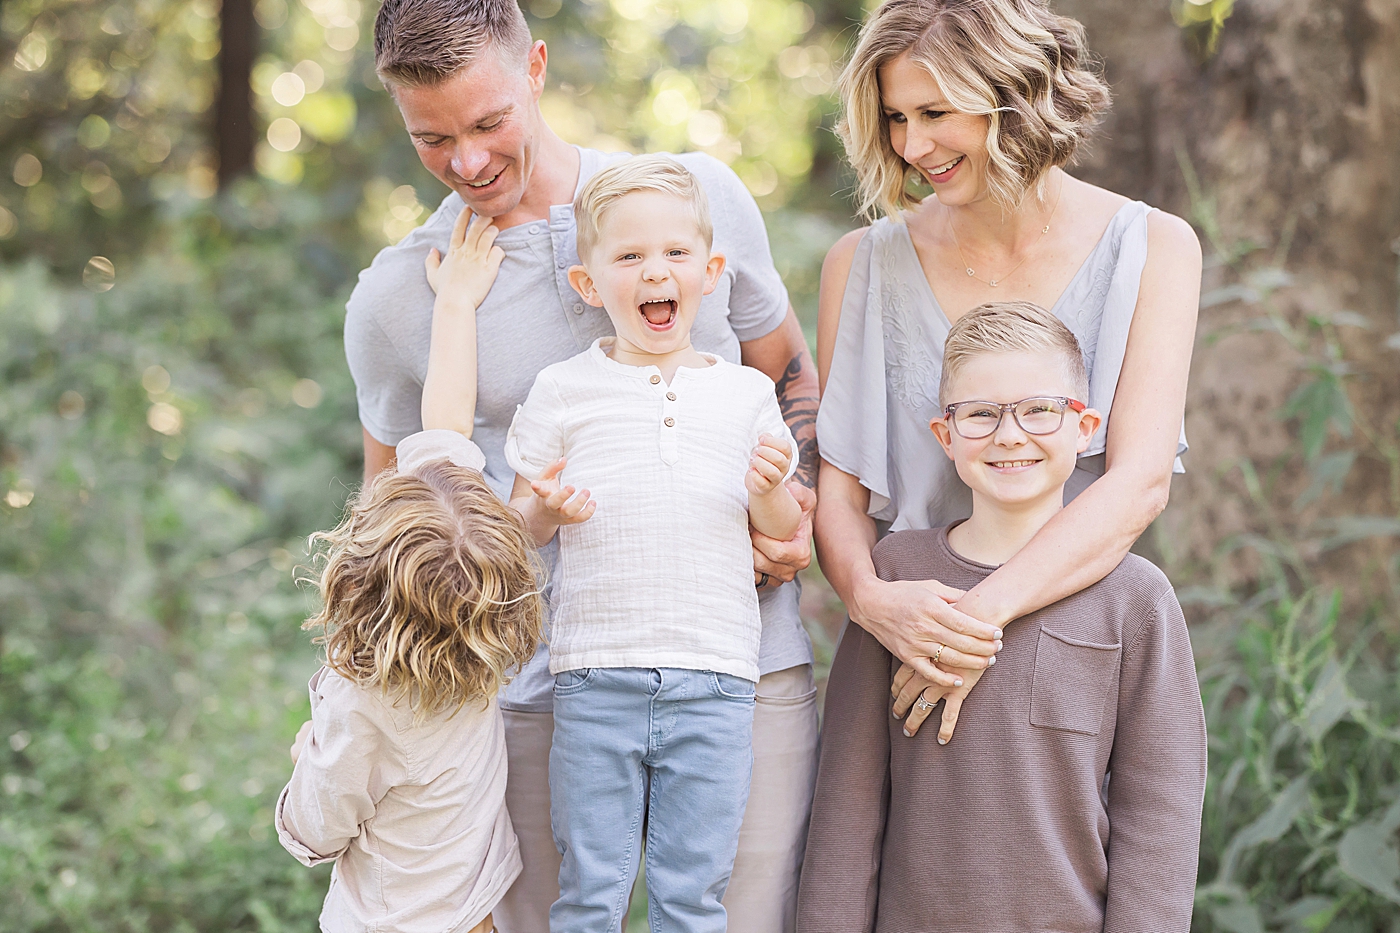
[985, 101]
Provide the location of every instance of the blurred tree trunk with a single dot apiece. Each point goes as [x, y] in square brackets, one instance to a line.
[233, 117]
[1292, 129]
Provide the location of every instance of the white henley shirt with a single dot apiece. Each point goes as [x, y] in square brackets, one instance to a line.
[662, 574]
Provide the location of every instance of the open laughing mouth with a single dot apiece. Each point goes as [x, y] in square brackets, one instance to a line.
[659, 313]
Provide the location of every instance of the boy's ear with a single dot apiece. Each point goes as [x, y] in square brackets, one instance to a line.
[944, 436]
[713, 270]
[583, 284]
[1089, 421]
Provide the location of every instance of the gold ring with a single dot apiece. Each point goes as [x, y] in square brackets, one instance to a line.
[939, 653]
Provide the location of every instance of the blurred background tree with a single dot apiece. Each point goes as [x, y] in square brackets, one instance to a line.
[188, 190]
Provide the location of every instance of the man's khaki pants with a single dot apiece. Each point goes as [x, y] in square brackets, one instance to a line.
[762, 894]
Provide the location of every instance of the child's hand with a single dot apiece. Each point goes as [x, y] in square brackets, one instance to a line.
[299, 742]
[469, 269]
[555, 500]
[768, 465]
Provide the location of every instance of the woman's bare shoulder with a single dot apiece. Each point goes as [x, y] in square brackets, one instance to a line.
[842, 253]
[1170, 235]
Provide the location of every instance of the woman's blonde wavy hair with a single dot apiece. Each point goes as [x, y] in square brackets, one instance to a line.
[431, 589]
[1013, 61]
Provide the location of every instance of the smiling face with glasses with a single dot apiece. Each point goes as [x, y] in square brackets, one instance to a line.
[1014, 428]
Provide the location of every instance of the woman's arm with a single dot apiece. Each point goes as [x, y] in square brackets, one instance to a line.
[909, 618]
[1092, 535]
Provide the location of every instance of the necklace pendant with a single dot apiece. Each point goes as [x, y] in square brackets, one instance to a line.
[993, 283]
[969, 273]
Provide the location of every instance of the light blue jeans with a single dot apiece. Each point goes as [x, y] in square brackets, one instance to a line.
[660, 751]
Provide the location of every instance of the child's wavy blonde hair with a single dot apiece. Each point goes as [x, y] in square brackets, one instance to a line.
[1013, 61]
[430, 589]
[613, 182]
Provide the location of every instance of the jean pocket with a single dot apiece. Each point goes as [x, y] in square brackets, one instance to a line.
[566, 682]
[731, 687]
[1071, 682]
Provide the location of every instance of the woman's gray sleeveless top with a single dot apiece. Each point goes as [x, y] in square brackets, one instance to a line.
[882, 389]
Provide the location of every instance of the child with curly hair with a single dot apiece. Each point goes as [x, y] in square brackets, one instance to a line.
[431, 596]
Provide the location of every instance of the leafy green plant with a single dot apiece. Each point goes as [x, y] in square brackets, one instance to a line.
[165, 445]
[1299, 677]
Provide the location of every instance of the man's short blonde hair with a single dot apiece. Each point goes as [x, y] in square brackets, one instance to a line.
[422, 43]
[1011, 327]
[639, 173]
[1013, 61]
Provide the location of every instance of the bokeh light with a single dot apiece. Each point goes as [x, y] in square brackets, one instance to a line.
[99, 275]
[288, 89]
[28, 170]
[283, 134]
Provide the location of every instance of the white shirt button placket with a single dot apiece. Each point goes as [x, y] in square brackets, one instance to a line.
[670, 433]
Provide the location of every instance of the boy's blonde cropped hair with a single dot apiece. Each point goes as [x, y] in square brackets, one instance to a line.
[1014, 61]
[430, 589]
[1011, 327]
[639, 173]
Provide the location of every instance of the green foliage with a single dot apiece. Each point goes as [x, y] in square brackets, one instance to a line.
[1300, 679]
[166, 446]
[1301, 806]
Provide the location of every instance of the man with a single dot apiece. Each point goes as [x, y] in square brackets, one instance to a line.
[467, 79]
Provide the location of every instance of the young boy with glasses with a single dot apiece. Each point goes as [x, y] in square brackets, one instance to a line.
[1072, 797]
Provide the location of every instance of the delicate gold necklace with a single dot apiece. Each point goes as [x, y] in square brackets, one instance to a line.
[994, 282]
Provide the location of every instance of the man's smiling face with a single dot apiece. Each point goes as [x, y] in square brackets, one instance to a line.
[477, 131]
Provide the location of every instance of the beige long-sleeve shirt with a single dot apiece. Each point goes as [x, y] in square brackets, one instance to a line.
[1069, 799]
[414, 816]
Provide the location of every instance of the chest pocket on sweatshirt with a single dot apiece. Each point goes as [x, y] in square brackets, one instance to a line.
[1071, 682]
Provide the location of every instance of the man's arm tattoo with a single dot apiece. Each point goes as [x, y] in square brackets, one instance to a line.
[798, 403]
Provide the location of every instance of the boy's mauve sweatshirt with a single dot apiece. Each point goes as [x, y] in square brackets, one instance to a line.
[1069, 798]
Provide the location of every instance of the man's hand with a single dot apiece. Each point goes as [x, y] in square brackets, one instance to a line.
[298, 743]
[780, 561]
[469, 269]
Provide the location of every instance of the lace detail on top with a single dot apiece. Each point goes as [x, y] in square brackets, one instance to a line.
[913, 371]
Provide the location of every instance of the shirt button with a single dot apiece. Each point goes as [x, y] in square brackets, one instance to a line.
[536, 228]
[578, 307]
[670, 396]
[670, 422]
[562, 264]
[655, 380]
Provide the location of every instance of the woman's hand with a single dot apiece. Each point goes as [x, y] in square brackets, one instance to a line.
[916, 621]
[911, 690]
